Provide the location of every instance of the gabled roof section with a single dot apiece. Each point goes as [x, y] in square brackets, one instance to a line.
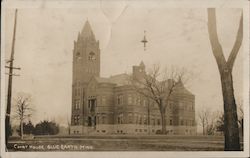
[181, 89]
[102, 80]
[120, 79]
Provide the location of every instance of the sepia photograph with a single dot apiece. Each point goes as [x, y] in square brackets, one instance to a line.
[125, 78]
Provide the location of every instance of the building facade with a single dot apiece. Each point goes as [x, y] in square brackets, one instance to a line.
[112, 106]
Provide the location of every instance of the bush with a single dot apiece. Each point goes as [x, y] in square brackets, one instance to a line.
[28, 128]
[46, 128]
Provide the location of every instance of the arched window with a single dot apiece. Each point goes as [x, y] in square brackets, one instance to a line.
[92, 56]
[78, 55]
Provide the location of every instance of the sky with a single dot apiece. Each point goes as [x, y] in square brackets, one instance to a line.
[176, 37]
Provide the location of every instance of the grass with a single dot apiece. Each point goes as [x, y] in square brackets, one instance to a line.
[119, 143]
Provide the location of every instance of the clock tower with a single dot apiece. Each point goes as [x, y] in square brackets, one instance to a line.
[86, 64]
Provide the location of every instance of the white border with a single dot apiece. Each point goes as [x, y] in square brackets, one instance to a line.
[167, 3]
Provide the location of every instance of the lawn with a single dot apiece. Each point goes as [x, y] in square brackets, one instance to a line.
[118, 143]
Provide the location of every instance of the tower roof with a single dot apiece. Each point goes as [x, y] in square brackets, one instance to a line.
[87, 31]
[142, 64]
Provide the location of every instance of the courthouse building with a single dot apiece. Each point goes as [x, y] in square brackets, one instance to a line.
[112, 106]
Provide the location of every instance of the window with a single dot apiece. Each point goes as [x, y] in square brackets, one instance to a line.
[97, 119]
[181, 105]
[182, 122]
[135, 99]
[76, 119]
[75, 92]
[158, 122]
[103, 119]
[136, 118]
[171, 122]
[103, 100]
[120, 119]
[129, 99]
[140, 120]
[130, 118]
[77, 104]
[153, 121]
[92, 56]
[78, 55]
[144, 102]
[144, 119]
[193, 123]
[138, 100]
[119, 99]
[78, 92]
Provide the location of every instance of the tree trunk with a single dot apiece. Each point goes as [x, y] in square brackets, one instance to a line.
[21, 129]
[163, 120]
[163, 117]
[231, 132]
[203, 129]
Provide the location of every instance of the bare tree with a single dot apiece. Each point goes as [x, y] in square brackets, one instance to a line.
[23, 109]
[225, 68]
[203, 119]
[240, 111]
[159, 87]
[208, 121]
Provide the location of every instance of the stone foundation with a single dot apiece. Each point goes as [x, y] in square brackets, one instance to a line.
[131, 129]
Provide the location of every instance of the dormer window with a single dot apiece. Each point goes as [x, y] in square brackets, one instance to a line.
[92, 56]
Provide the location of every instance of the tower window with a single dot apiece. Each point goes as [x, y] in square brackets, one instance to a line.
[92, 56]
[78, 55]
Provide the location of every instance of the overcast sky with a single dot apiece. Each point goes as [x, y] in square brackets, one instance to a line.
[177, 36]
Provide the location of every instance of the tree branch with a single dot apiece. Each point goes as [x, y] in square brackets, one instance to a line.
[237, 45]
[213, 37]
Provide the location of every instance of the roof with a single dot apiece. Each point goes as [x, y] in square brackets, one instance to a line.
[102, 80]
[181, 89]
[87, 31]
[119, 80]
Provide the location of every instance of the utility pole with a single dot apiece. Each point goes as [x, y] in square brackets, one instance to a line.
[11, 68]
